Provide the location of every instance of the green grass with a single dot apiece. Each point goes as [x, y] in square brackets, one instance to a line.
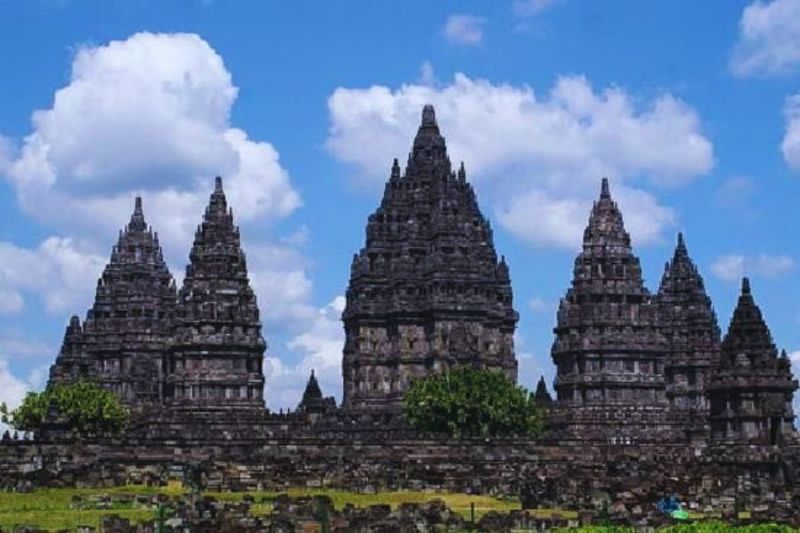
[50, 508]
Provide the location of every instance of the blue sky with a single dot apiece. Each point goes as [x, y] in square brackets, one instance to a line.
[688, 107]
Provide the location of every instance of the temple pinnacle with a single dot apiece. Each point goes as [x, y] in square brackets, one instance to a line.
[604, 190]
[218, 184]
[680, 248]
[745, 285]
[137, 222]
[428, 116]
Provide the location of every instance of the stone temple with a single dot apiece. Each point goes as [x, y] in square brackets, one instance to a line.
[650, 399]
[125, 340]
[609, 351]
[199, 348]
[634, 366]
[427, 292]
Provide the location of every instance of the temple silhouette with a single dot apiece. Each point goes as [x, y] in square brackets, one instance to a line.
[428, 293]
[649, 397]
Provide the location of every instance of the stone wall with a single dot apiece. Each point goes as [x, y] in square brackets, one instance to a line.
[545, 474]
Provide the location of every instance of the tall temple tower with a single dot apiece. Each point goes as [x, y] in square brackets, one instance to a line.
[217, 356]
[427, 291]
[608, 350]
[751, 388]
[690, 326]
[124, 340]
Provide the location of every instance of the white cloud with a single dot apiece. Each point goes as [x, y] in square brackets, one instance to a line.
[149, 115]
[60, 271]
[531, 8]
[319, 349]
[735, 266]
[736, 192]
[791, 138]
[12, 388]
[538, 160]
[768, 41]
[11, 301]
[464, 29]
[279, 278]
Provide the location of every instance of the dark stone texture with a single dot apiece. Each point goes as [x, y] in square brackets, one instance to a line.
[427, 291]
[200, 348]
[752, 387]
[217, 353]
[649, 401]
[690, 326]
[125, 339]
[609, 350]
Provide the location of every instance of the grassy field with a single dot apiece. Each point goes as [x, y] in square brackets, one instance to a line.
[52, 508]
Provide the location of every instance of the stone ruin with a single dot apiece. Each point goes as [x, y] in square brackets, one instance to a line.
[199, 348]
[648, 399]
[633, 366]
[427, 292]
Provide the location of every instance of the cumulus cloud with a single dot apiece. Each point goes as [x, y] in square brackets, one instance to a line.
[60, 271]
[319, 349]
[11, 301]
[791, 138]
[147, 115]
[12, 388]
[735, 266]
[464, 30]
[279, 277]
[538, 159]
[768, 41]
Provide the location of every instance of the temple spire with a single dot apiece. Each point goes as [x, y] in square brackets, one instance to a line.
[312, 392]
[429, 153]
[137, 222]
[680, 248]
[605, 192]
[429, 117]
[217, 302]
[606, 229]
[542, 395]
[428, 227]
[748, 331]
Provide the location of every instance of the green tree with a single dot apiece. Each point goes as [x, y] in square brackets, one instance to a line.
[468, 402]
[84, 407]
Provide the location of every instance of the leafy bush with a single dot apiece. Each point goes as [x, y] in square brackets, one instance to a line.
[84, 407]
[467, 402]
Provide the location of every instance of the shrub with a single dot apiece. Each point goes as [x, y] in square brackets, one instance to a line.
[84, 407]
[468, 402]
